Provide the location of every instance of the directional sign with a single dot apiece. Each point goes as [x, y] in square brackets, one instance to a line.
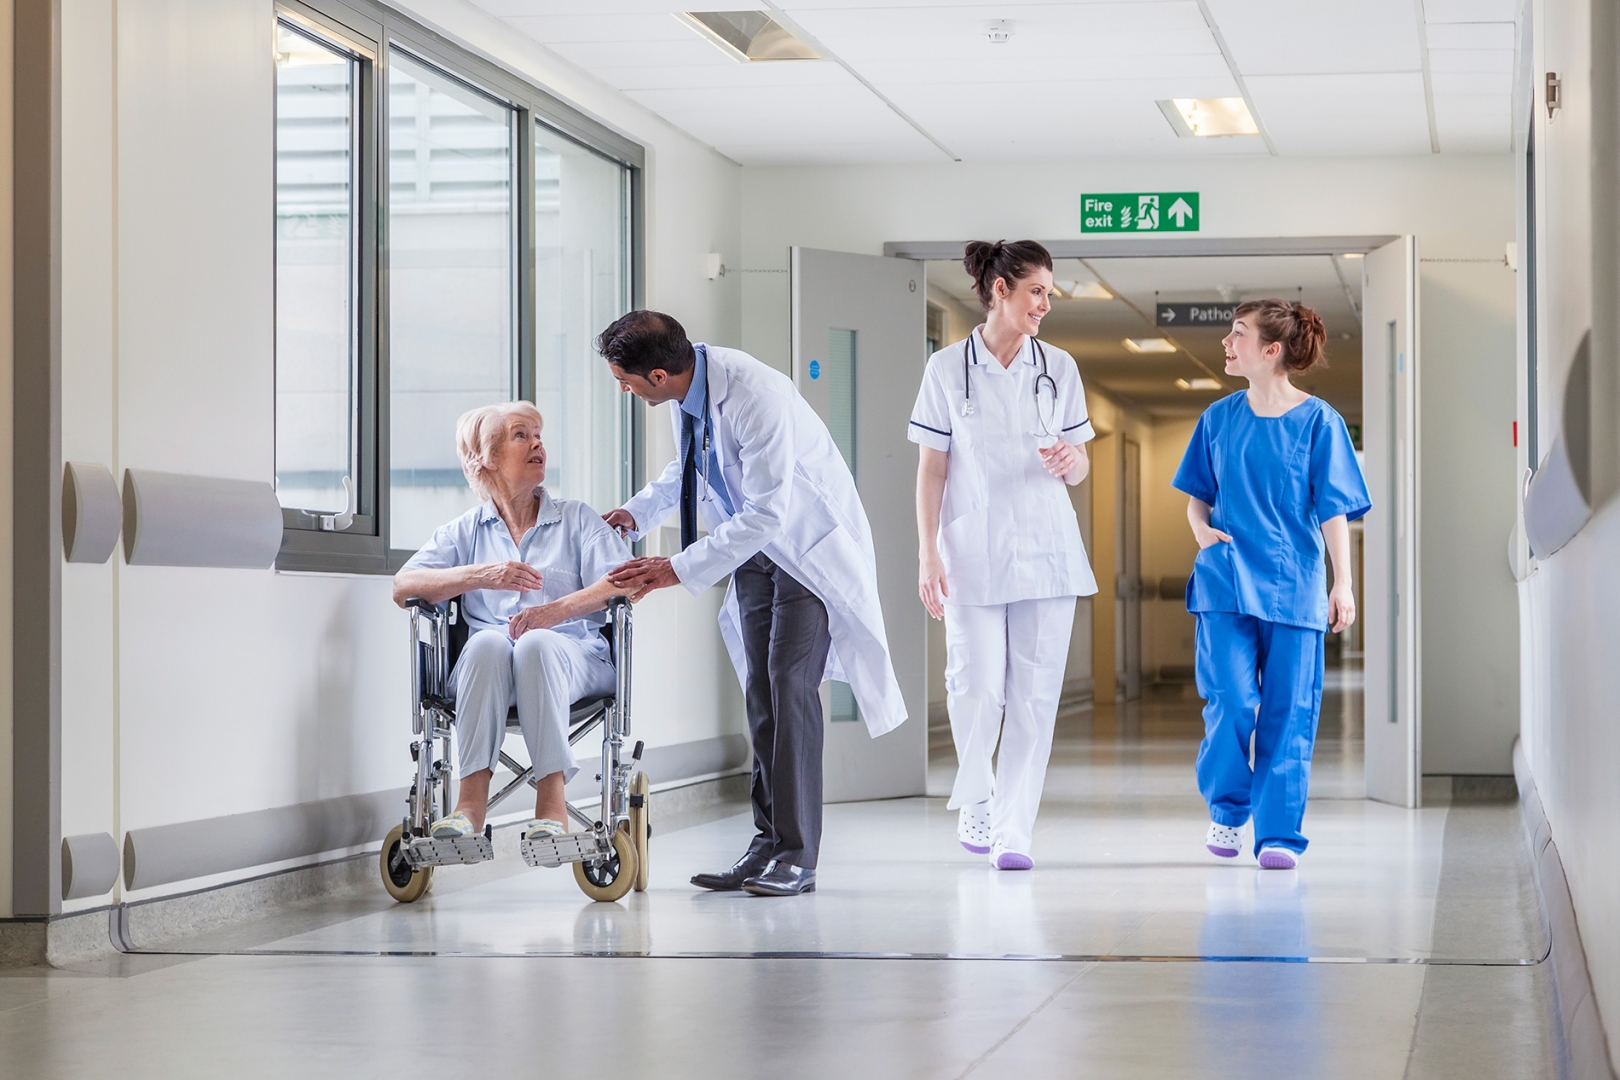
[1195, 315]
[1139, 211]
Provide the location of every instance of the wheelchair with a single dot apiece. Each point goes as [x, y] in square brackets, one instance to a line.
[610, 855]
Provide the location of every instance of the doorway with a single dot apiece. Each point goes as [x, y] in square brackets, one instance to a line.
[1150, 373]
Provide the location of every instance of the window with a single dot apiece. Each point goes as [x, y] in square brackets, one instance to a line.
[447, 236]
[451, 281]
[581, 284]
[316, 273]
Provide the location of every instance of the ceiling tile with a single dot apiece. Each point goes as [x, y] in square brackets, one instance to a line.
[1498, 60]
[1472, 82]
[1312, 37]
[1470, 36]
[1344, 114]
[1464, 11]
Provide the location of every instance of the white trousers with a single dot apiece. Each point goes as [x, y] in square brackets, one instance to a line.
[1005, 660]
[543, 673]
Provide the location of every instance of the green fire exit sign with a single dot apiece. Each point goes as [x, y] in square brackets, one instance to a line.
[1139, 211]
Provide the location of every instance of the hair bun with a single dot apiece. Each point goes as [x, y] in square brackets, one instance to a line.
[986, 262]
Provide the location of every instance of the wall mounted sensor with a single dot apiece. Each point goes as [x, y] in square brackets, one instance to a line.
[712, 266]
[1000, 31]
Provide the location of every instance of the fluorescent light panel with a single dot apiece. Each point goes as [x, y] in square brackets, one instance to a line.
[1198, 384]
[748, 35]
[1150, 345]
[1205, 118]
[1082, 290]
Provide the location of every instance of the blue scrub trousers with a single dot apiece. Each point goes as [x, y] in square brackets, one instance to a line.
[1263, 679]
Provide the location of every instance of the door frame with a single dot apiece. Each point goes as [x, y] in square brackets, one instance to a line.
[1216, 246]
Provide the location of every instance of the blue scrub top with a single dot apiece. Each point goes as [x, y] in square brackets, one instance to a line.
[1271, 482]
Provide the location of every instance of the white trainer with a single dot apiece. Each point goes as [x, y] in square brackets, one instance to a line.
[973, 828]
[1223, 841]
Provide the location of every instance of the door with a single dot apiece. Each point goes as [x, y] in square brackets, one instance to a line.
[859, 326]
[1390, 437]
[1129, 588]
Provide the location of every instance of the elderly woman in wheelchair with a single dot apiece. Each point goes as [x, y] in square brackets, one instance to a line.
[532, 574]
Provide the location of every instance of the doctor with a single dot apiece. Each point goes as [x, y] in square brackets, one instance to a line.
[1001, 428]
[785, 522]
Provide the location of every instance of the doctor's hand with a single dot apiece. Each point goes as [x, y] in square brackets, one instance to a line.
[1341, 607]
[1208, 536]
[931, 584]
[621, 521]
[638, 577]
[508, 576]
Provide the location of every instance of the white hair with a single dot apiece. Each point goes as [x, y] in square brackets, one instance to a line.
[476, 435]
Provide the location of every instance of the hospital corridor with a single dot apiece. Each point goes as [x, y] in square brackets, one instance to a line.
[920, 538]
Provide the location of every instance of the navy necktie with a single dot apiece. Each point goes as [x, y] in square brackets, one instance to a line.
[689, 456]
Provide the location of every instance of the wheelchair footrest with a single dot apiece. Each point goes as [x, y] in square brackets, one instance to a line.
[459, 851]
[559, 850]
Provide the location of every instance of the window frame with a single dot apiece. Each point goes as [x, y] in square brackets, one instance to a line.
[369, 31]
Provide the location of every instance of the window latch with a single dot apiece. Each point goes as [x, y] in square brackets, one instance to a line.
[337, 522]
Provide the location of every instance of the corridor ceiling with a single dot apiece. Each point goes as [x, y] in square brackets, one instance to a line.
[920, 80]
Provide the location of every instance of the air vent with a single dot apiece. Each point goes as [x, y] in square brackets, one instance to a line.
[749, 35]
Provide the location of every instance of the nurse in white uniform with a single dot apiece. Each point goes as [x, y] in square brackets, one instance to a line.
[1001, 428]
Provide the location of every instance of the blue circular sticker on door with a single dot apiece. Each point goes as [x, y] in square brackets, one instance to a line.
[815, 369]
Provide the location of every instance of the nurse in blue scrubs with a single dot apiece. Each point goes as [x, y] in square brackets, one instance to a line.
[1272, 479]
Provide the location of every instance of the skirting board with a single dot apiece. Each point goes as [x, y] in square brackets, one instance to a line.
[149, 924]
[1583, 1049]
[186, 850]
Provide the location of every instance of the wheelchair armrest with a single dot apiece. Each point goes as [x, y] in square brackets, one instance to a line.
[418, 602]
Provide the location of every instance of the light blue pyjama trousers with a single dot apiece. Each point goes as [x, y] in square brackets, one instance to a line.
[543, 673]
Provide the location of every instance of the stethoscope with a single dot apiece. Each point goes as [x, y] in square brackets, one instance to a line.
[970, 359]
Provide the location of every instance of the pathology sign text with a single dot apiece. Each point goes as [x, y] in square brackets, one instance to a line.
[1139, 211]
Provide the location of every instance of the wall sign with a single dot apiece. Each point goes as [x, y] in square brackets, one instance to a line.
[1194, 314]
[1139, 211]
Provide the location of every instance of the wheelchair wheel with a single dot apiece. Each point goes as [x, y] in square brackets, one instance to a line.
[610, 879]
[640, 832]
[402, 883]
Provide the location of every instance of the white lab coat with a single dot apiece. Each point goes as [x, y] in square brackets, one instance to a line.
[795, 500]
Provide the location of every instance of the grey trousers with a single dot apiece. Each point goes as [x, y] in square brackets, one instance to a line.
[543, 673]
[785, 640]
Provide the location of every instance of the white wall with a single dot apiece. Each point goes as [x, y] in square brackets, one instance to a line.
[1568, 629]
[193, 693]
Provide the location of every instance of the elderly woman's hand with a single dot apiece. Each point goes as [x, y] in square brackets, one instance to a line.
[509, 576]
[539, 617]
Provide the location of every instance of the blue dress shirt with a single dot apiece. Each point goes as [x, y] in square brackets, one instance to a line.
[696, 405]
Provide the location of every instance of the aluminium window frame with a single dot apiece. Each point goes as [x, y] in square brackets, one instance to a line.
[381, 28]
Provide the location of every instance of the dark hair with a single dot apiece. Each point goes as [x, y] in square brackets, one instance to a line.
[1011, 263]
[645, 341]
[1298, 328]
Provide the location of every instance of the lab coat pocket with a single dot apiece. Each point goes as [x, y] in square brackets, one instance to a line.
[965, 546]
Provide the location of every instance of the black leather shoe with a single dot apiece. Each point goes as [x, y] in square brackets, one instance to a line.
[746, 867]
[782, 879]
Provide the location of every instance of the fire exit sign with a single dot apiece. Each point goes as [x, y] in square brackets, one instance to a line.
[1139, 211]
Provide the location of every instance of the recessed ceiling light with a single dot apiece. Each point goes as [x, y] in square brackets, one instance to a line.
[1198, 384]
[1084, 290]
[748, 35]
[1205, 118]
[1150, 345]
[1354, 254]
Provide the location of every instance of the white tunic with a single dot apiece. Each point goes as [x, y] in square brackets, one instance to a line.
[1008, 531]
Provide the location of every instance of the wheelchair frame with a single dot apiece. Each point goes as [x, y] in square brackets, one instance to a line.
[609, 856]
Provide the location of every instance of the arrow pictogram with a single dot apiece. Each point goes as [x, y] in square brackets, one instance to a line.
[1181, 212]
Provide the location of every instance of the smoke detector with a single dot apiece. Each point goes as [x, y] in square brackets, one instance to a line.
[1000, 31]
